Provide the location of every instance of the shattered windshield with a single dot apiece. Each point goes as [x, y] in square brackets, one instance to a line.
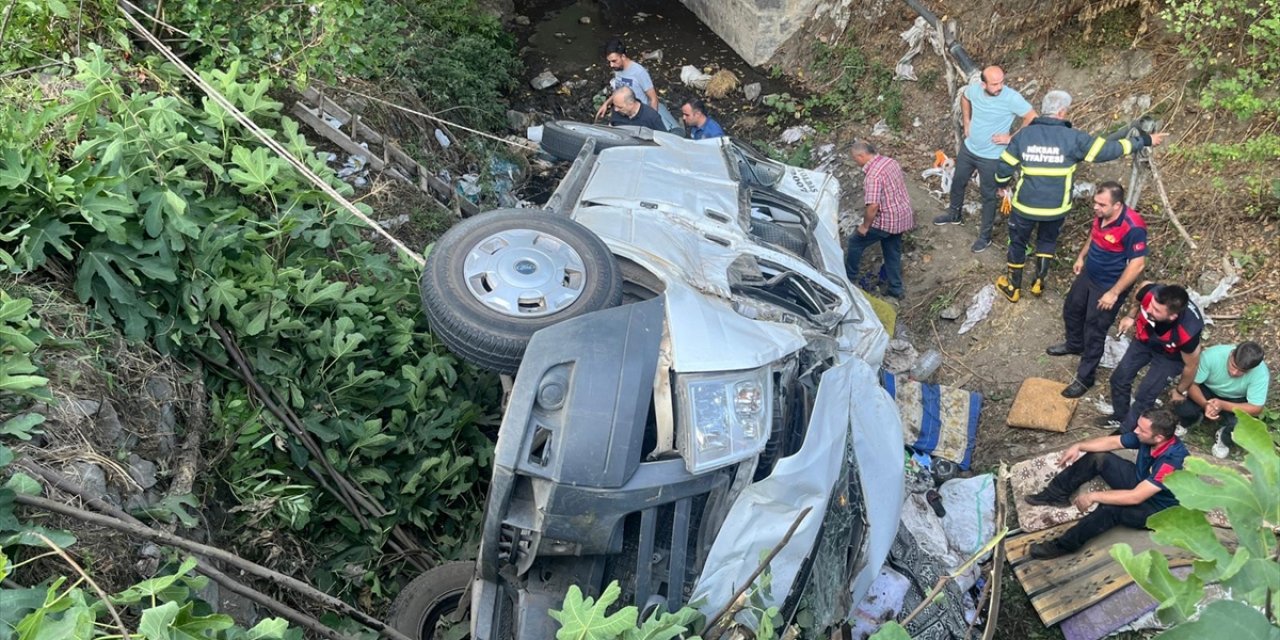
[752, 167]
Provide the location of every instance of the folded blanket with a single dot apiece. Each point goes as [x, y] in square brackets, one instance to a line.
[938, 420]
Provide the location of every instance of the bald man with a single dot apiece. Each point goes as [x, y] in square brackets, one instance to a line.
[988, 109]
[628, 110]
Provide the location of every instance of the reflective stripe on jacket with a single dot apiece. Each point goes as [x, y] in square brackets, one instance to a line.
[1048, 151]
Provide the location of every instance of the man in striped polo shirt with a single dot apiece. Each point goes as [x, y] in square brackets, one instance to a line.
[1106, 269]
[887, 217]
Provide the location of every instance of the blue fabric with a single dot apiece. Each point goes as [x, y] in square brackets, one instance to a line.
[991, 115]
[931, 418]
[709, 129]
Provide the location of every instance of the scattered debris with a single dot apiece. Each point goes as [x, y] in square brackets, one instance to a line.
[694, 77]
[950, 313]
[1083, 190]
[796, 134]
[900, 356]
[655, 55]
[881, 128]
[751, 91]
[544, 80]
[1219, 291]
[916, 36]
[944, 167]
[1112, 351]
[443, 139]
[978, 308]
[584, 20]
[722, 83]
[926, 365]
[916, 122]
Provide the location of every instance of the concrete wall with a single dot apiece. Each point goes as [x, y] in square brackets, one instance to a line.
[754, 28]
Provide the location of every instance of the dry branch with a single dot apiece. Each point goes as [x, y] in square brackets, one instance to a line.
[720, 620]
[1164, 197]
[66, 485]
[168, 539]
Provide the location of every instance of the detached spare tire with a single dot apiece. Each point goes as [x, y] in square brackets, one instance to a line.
[494, 280]
[564, 138]
[426, 606]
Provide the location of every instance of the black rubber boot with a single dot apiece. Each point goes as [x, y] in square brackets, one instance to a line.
[1042, 272]
[1010, 286]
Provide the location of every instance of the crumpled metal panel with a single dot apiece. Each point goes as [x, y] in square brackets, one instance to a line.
[850, 403]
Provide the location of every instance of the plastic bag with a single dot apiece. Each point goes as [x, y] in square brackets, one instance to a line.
[978, 308]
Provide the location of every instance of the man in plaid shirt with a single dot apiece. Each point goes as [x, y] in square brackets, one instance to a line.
[887, 217]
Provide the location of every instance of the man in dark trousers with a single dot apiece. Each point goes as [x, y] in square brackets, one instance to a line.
[1137, 489]
[987, 109]
[627, 110]
[887, 217]
[1106, 269]
[1166, 327]
[1048, 152]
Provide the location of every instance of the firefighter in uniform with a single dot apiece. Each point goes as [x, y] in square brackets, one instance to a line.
[1048, 152]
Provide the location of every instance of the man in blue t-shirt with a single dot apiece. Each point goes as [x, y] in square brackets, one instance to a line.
[1137, 488]
[988, 109]
[1106, 269]
[701, 126]
[630, 74]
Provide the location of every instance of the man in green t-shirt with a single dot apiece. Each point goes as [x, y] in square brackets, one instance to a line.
[1230, 377]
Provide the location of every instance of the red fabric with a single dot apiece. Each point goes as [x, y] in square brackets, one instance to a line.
[1163, 472]
[1170, 341]
[886, 186]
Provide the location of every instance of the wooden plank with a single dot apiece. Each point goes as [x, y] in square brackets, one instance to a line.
[1064, 586]
[1018, 547]
[1086, 590]
[323, 103]
[339, 138]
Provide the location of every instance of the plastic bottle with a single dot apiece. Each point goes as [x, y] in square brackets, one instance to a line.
[926, 365]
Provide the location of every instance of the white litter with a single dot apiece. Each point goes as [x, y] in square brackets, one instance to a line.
[920, 32]
[656, 55]
[884, 601]
[443, 139]
[979, 307]
[1082, 190]
[1113, 350]
[1219, 293]
[796, 134]
[694, 77]
[534, 133]
[945, 173]
[544, 80]
[881, 128]
[900, 357]
[971, 512]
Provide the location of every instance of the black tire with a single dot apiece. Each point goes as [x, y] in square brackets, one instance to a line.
[780, 236]
[564, 138]
[424, 603]
[494, 338]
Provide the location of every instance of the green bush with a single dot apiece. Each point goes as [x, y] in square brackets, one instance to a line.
[449, 53]
[169, 219]
[1237, 43]
[1248, 573]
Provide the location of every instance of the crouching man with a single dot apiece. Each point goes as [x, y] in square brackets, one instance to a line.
[1137, 490]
